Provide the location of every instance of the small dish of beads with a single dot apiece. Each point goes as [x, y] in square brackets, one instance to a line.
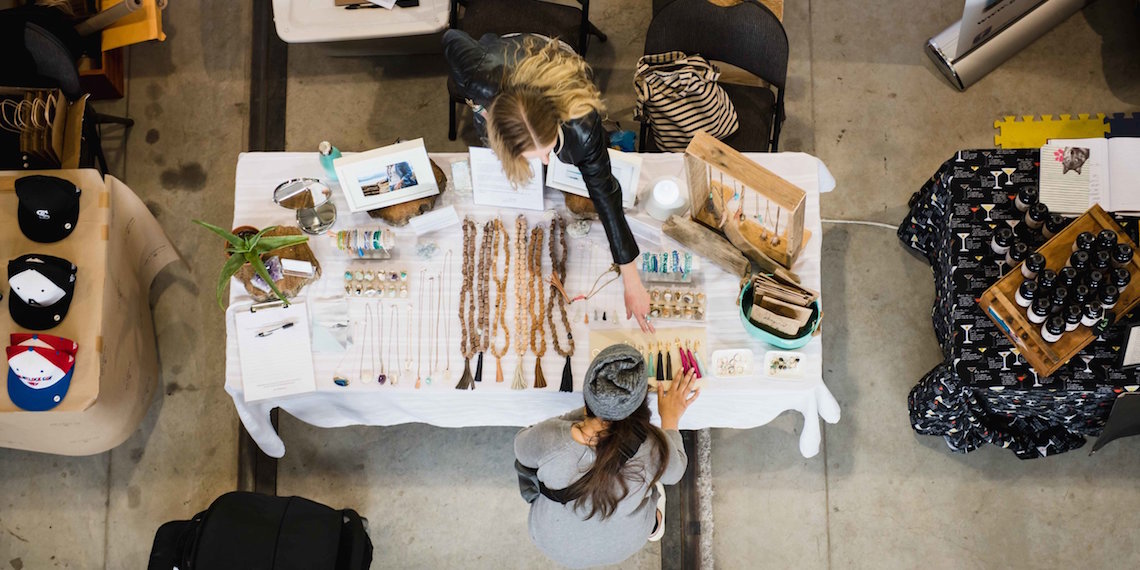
[783, 364]
[732, 363]
[376, 282]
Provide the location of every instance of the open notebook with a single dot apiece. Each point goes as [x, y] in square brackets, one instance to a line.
[1077, 173]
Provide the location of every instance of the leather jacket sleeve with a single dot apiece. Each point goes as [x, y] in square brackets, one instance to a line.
[584, 145]
[476, 67]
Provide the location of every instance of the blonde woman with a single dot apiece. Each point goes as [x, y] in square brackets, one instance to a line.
[533, 96]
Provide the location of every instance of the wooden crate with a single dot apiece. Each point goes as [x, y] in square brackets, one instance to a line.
[999, 304]
[707, 162]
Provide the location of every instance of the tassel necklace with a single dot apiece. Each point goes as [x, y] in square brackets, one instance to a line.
[483, 332]
[558, 274]
[467, 339]
[537, 331]
[499, 319]
[522, 291]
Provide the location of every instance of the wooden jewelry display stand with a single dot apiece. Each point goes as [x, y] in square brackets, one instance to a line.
[708, 162]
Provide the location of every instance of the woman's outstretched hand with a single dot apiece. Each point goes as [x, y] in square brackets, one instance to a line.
[636, 297]
[671, 405]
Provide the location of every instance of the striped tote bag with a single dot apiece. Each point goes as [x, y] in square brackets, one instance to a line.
[678, 95]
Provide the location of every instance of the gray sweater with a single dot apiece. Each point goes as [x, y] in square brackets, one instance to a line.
[563, 533]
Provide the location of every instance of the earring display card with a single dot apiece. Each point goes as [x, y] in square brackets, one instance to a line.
[665, 341]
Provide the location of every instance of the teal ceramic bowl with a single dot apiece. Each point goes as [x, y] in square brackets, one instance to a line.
[777, 339]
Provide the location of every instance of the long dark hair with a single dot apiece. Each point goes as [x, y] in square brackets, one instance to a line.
[607, 481]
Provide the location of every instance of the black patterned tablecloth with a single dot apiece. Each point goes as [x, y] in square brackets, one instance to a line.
[984, 392]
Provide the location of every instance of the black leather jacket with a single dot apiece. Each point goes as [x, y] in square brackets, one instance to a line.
[477, 69]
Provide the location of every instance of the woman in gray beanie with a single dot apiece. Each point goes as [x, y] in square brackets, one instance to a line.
[602, 466]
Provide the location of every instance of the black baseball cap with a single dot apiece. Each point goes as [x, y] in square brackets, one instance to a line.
[41, 290]
[49, 207]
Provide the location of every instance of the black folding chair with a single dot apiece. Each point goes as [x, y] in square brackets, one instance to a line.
[748, 36]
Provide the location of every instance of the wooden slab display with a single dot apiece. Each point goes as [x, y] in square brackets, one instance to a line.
[708, 161]
[998, 301]
[399, 214]
[708, 244]
[289, 285]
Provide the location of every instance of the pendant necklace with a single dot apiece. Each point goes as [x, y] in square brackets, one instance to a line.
[394, 329]
[364, 345]
[382, 378]
[447, 323]
[420, 333]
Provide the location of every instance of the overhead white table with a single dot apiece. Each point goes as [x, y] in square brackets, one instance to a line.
[304, 21]
[728, 403]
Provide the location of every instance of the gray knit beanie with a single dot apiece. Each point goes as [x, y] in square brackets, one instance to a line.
[616, 384]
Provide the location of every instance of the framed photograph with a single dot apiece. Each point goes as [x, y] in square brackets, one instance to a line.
[386, 176]
[1129, 355]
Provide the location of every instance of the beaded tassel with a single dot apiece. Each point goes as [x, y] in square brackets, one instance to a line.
[498, 370]
[519, 382]
[479, 368]
[567, 378]
[651, 369]
[465, 382]
[539, 380]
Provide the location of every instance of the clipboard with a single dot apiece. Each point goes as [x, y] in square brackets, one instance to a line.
[274, 350]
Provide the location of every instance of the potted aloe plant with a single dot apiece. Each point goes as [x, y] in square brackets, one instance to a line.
[249, 247]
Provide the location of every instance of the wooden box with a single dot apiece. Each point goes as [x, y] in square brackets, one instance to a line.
[745, 201]
[999, 304]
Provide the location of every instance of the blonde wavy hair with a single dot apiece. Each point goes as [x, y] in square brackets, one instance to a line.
[548, 86]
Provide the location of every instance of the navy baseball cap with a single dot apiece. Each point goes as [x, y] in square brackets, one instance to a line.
[49, 207]
[41, 290]
[38, 378]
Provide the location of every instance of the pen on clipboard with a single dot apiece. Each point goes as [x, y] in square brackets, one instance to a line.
[268, 331]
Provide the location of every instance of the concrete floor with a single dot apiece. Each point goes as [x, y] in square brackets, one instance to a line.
[861, 96]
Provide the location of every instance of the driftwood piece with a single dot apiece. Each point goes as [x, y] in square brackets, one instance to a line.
[707, 244]
[399, 214]
[733, 232]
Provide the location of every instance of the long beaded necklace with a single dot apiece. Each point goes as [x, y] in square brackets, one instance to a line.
[467, 339]
[483, 288]
[366, 334]
[499, 320]
[558, 271]
[522, 290]
[537, 330]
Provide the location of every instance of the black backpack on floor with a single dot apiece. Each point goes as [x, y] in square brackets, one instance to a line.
[249, 531]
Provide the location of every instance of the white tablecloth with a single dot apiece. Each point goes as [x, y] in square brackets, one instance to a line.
[728, 403]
